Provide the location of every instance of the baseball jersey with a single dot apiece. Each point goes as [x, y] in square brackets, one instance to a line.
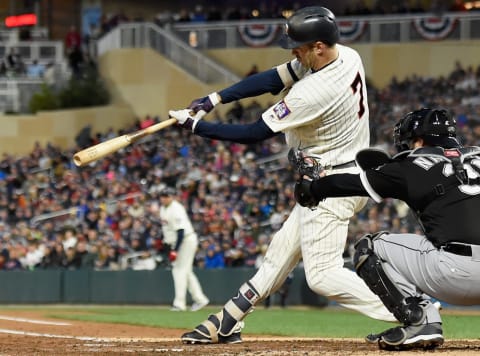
[425, 179]
[325, 113]
[173, 218]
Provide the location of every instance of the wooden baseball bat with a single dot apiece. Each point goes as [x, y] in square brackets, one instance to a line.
[105, 148]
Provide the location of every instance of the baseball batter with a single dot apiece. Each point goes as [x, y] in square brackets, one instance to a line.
[325, 113]
[179, 234]
[440, 181]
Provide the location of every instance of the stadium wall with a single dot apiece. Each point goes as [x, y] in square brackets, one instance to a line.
[381, 61]
[20, 132]
[132, 287]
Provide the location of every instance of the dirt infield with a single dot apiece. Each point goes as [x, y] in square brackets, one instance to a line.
[30, 333]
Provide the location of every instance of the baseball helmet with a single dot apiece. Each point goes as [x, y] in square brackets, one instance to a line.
[168, 191]
[310, 24]
[437, 127]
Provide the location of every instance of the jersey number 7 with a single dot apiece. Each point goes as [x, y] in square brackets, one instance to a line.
[357, 85]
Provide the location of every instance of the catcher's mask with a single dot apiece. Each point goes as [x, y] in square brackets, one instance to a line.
[436, 127]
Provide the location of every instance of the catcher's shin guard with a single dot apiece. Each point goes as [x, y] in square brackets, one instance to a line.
[408, 310]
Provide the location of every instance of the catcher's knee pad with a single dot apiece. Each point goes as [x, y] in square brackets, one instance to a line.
[369, 267]
[237, 308]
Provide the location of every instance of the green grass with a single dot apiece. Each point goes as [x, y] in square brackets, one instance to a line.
[303, 322]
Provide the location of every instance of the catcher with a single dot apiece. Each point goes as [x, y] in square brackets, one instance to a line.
[439, 180]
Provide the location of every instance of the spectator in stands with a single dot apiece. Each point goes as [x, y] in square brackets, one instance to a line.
[458, 5]
[119, 18]
[15, 64]
[73, 40]
[214, 257]
[73, 48]
[233, 13]
[14, 254]
[219, 193]
[198, 14]
[84, 137]
[75, 61]
[183, 15]
[54, 256]
[49, 74]
[253, 70]
[3, 67]
[214, 13]
[35, 69]
[33, 256]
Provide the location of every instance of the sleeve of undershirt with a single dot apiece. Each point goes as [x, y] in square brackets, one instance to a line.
[241, 133]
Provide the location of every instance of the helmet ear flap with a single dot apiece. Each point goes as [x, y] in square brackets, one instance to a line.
[403, 133]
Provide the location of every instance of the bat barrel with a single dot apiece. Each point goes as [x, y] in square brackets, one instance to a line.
[107, 147]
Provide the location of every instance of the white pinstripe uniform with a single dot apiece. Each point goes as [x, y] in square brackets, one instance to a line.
[325, 114]
[173, 218]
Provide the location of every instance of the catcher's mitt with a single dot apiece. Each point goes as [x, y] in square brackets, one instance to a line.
[307, 169]
[304, 165]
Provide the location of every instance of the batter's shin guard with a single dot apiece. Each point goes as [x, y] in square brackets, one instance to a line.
[237, 308]
[369, 267]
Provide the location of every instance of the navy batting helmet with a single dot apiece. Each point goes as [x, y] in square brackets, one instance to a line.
[168, 191]
[310, 24]
[436, 127]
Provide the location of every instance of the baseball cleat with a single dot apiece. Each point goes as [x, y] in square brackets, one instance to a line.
[177, 309]
[207, 333]
[426, 336]
[197, 337]
[198, 306]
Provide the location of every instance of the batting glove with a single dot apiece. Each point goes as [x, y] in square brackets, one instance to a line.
[204, 105]
[185, 118]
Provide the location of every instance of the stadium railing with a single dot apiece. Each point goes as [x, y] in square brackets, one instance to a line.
[149, 35]
[364, 29]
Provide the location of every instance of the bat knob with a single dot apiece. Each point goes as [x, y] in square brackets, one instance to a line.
[77, 160]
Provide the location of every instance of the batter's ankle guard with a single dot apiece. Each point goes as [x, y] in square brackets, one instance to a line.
[237, 308]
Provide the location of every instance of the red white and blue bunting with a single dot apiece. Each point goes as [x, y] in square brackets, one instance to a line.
[351, 30]
[258, 35]
[435, 28]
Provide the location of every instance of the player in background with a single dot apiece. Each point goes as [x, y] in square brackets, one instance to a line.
[440, 181]
[178, 233]
[325, 112]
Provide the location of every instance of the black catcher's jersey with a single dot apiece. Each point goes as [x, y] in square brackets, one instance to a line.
[426, 179]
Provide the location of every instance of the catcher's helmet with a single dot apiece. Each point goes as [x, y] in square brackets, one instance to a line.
[436, 127]
[310, 24]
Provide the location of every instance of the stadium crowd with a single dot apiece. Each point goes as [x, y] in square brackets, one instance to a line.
[206, 11]
[103, 216]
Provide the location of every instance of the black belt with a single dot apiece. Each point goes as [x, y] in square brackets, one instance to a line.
[342, 165]
[458, 249]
